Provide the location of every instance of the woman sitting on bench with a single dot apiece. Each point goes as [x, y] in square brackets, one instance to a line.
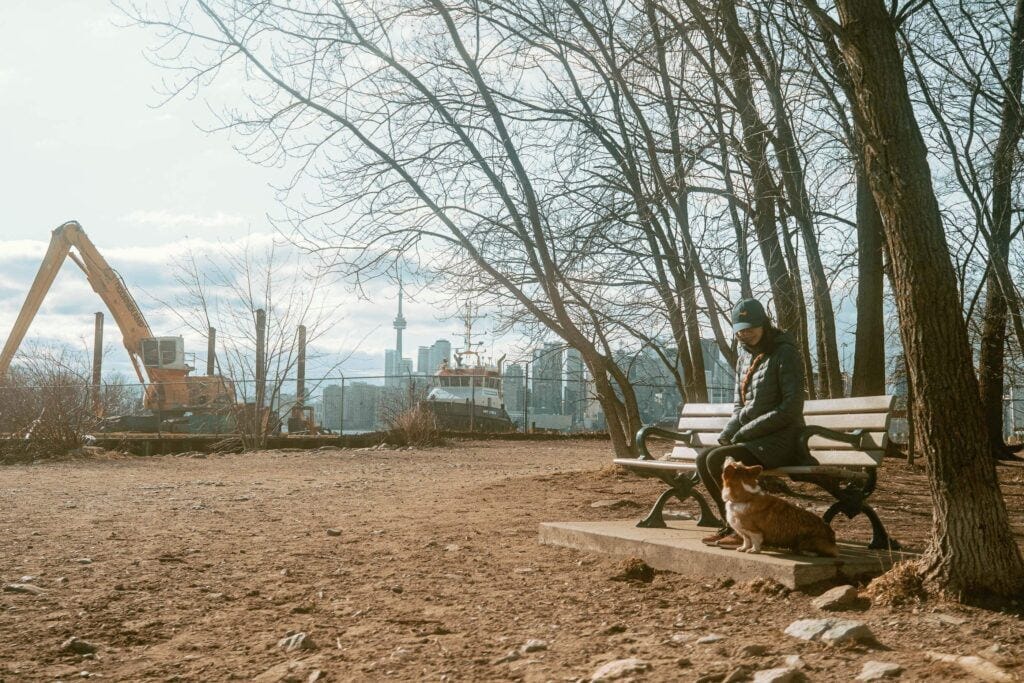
[767, 415]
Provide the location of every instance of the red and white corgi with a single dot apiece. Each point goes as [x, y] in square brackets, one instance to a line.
[761, 519]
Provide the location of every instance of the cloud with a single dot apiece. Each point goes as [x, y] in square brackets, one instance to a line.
[19, 250]
[361, 331]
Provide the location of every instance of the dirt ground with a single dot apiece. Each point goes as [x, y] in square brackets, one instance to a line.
[407, 565]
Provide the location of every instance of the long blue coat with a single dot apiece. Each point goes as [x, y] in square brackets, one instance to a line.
[769, 418]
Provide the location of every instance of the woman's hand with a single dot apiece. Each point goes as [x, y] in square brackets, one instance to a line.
[724, 441]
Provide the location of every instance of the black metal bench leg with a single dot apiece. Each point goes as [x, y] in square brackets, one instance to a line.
[880, 539]
[707, 517]
[654, 518]
[681, 490]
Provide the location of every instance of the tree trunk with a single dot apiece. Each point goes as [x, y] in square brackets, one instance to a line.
[869, 347]
[803, 338]
[1000, 295]
[698, 381]
[755, 143]
[972, 549]
[795, 186]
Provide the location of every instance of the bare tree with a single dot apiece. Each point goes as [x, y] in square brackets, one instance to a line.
[224, 289]
[972, 551]
[968, 63]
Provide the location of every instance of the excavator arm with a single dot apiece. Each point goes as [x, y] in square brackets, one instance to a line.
[158, 361]
[104, 281]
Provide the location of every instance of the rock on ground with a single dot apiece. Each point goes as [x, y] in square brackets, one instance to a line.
[981, 669]
[23, 588]
[839, 598]
[534, 645]
[296, 641]
[619, 668]
[829, 630]
[876, 671]
[77, 646]
[780, 675]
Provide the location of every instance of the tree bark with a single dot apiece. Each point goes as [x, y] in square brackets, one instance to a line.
[972, 551]
[869, 344]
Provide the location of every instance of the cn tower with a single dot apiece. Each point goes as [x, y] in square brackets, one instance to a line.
[399, 326]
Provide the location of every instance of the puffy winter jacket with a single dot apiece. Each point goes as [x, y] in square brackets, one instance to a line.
[769, 418]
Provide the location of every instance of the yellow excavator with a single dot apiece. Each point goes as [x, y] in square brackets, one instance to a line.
[159, 361]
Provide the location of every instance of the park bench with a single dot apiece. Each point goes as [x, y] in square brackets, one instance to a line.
[845, 440]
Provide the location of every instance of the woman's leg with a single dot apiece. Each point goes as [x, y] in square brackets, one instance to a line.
[710, 465]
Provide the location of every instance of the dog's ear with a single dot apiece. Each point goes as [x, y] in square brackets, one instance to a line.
[729, 469]
[756, 470]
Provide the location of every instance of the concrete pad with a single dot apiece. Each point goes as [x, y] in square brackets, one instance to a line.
[678, 549]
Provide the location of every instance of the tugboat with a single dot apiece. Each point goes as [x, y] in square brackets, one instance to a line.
[468, 397]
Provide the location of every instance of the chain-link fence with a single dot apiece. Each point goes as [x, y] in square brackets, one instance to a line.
[347, 404]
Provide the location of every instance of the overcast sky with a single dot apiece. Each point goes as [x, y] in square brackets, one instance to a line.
[83, 139]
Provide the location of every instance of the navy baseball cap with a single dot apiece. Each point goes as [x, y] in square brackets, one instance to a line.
[748, 313]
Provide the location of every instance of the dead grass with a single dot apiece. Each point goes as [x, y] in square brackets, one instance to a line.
[415, 427]
[900, 586]
[634, 569]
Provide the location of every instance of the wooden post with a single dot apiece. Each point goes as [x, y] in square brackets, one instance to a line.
[97, 365]
[526, 400]
[261, 352]
[211, 350]
[300, 380]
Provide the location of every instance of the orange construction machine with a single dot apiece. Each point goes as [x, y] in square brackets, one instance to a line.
[159, 361]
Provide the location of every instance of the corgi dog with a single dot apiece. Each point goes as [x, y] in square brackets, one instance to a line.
[762, 519]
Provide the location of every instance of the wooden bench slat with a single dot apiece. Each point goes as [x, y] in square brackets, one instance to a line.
[875, 440]
[832, 406]
[685, 466]
[848, 458]
[633, 463]
[858, 404]
[871, 440]
[684, 453]
[839, 422]
[707, 409]
[839, 472]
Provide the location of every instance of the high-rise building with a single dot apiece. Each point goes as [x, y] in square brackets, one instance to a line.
[392, 368]
[423, 366]
[574, 397]
[514, 387]
[440, 351]
[361, 401]
[546, 394]
[331, 415]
